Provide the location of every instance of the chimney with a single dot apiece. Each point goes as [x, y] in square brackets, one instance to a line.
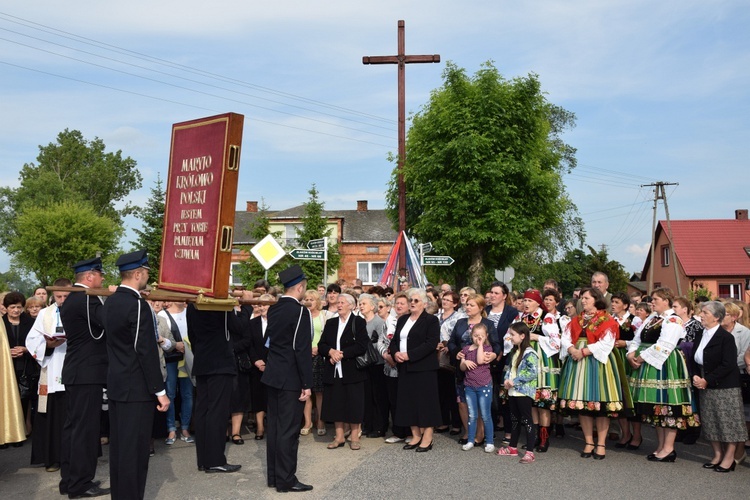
[740, 214]
[362, 207]
[252, 206]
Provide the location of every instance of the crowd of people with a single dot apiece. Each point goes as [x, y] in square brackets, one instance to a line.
[396, 365]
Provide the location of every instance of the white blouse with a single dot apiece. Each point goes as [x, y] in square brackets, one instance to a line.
[405, 334]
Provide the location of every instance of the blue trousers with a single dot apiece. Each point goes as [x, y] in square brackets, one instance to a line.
[186, 393]
[479, 401]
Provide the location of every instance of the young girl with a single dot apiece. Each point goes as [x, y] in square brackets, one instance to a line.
[521, 383]
[478, 385]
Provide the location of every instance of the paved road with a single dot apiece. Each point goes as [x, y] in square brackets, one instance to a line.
[385, 471]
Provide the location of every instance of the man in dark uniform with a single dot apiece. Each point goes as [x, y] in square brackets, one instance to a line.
[84, 375]
[134, 380]
[288, 375]
[215, 371]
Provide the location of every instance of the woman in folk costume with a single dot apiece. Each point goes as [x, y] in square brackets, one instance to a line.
[630, 425]
[545, 340]
[590, 383]
[12, 427]
[660, 381]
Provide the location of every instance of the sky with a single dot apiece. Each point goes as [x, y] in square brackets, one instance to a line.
[660, 90]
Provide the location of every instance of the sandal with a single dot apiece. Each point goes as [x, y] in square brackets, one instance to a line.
[588, 454]
[335, 444]
[238, 440]
[305, 430]
[260, 436]
[354, 445]
[322, 431]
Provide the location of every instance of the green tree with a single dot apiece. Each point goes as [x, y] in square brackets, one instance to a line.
[314, 227]
[72, 169]
[150, 236]
[13, 280]
[483, 170]
[250, 270]
[60, 234]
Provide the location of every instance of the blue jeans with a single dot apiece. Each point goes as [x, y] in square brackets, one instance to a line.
[479, 400]
[186, 392]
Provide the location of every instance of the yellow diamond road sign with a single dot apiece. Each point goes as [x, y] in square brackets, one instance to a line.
[268, 252]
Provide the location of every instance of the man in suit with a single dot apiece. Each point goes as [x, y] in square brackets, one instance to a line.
[288, 375]
[215, 371]
[84, 375]
[600, 281]
[134, 379]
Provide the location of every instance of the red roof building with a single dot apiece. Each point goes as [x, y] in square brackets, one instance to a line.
[710, 254]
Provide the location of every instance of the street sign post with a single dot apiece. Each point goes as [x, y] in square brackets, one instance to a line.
[438, 260]
[307, 254]
[317, 244]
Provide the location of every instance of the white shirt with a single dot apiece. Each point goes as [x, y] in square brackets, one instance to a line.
[405, 334]
[338, 373]
[707, 336]
[45, 324]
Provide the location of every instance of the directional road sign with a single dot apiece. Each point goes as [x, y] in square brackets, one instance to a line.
[316, 244]
[438, 260]
[426, 247]
[306, 254]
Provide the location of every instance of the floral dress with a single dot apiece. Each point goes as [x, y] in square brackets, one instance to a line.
[591, 385]
[661, 386]
[547, 327]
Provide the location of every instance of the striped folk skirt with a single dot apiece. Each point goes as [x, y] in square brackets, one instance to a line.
[591, 388]
[664, 397]
[548, 379]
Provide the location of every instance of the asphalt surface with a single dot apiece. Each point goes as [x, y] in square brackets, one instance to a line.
[381, 470]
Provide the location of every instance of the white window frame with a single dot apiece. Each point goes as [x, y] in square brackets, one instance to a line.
[370, 279]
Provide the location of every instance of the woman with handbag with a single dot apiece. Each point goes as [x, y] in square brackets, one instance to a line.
[344, 338]
[376, 395]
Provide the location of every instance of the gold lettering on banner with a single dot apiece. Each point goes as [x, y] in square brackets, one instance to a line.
[194, 179]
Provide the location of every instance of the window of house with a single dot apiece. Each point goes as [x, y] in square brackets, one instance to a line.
[665, 254]
[290, 234]
[234, 280]
[730, 290]
[369, 272]
[373, 249]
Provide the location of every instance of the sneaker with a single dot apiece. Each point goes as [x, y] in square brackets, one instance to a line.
[507, 451]
[467, 446]
[394, 440]
[489, 448]
[528, 458]
[169, 441]
[187, 439]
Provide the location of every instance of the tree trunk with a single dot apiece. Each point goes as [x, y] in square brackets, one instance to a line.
[476, 269]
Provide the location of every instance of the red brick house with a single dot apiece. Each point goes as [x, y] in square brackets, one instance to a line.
[712, 254]
[365, 237]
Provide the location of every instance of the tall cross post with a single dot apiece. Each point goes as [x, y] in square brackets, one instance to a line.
[402, 60]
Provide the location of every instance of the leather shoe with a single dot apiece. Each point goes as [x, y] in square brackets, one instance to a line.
[295, 488]
[64, 491]
[94, 491]
[223, 468]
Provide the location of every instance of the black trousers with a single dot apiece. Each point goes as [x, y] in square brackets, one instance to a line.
[46, 441]
[80, 446]
[284, 412]
[520, 408]
[210, 417]
[376, 400]
[448, 399]
[130, 426]
[391, 385]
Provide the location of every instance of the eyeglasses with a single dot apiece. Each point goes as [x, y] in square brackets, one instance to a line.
[464, 295]
[381, 307]
[388, 294]
[415, 301]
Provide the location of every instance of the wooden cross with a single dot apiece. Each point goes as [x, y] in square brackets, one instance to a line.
[402, 60]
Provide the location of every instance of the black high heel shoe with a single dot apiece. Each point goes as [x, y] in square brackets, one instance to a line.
[669, 458]
[710, 465]
[423, 449]
[719, 468]
[596, 455]
[625, 444]
[412, 446]
[632, 446]
[587, 454]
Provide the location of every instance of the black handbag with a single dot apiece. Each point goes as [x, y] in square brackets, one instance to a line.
[243, 362]
[24, 383]
[745, 387]
[370, 356]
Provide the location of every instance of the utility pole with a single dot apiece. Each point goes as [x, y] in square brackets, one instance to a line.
[660, 194]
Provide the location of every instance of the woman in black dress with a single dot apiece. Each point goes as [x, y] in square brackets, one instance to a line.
[18, 325]
[413, 347]
[258, 355]
[343, 339]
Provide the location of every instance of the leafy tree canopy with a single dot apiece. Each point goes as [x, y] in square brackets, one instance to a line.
[484, 169]
[71, 169]
[314, 227]
[249, 270]
[150, 235]
[56, 236]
